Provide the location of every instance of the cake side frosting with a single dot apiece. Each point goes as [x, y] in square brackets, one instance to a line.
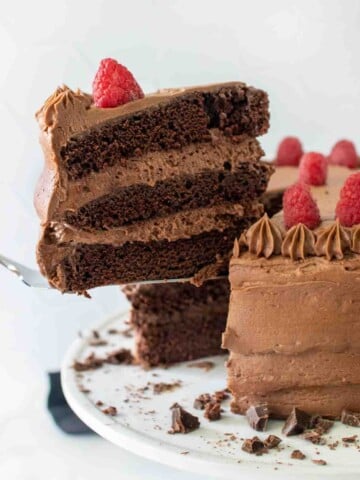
[297, 306]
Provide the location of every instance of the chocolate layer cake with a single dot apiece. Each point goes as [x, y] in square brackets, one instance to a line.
[293, 327]
[153, 189]
[175, 322]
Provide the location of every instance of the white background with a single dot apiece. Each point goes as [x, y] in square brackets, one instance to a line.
[304, 53]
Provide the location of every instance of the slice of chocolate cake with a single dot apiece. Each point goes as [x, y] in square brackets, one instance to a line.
[175, 322]
[156, 188]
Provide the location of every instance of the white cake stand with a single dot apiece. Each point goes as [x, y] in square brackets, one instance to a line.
[144, 418]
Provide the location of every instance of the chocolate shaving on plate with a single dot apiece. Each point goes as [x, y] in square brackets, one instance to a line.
[182, 421]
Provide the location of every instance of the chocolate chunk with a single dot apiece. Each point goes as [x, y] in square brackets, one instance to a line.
[110, 411]
[314, 437]
[272, 441]
[298, 455]
[201, 401]
[319, 462]
[320, 424]
[90, 363]
[253, 445]
[296, 423]
[350, 418]
[351, 439]
[183, 421]
[220, 395]
[123, 355]
[213, 411]
[206, 365]
[162, 387]
[258, 416]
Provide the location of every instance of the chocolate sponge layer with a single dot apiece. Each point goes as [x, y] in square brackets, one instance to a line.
[85, 266]
[141, 202]
[178, 322]
[188, 118]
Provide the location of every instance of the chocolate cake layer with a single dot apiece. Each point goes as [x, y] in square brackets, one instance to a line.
[188, 118]
[141, 202]
[83, 266]
[178, 322]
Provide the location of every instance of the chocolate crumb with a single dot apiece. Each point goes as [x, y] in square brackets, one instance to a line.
[90, 363]
[319, 461]
[84, 389]
[272, 441]
[185, 452]
[113, 331]
[350, 418]
[183, 421]
[121, 356]
[212, 411]
[298, 455]
[97, 342]
[314, 437]
[320, 424]
[127, 333]
[296, 423]
[165, 387]
[201, 401]
[95, 334]
[206, 365]
[253, 445]
[99, 403]
[258, 416]
[110, 411]
[351, 439]
[220, 395]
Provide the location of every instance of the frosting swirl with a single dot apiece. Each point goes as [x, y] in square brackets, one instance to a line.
[264, 238]
[355, 239]
[61, 100]
[299, 242]
[333, 241]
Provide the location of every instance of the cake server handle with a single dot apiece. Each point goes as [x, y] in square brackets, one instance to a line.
[31, 278]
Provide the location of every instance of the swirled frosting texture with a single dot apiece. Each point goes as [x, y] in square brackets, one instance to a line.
[262, 239]
[298, 243]
[333, 241]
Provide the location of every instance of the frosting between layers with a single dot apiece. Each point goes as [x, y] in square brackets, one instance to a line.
[184, 224]
[155, 167]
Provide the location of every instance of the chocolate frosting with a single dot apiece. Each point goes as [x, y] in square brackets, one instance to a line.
[299, 313]
[263, 239]
[333, 241]
[355, 239]
[299, 242]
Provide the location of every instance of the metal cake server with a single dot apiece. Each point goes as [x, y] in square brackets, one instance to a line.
[33, 278]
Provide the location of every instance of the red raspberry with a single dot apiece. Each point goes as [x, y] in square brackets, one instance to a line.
[114, 85]
[343, 153]
[348, 206]
[313, 169]
[289, 152]
[300, 207]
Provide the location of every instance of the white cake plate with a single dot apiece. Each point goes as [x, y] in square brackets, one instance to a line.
[144, 418]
